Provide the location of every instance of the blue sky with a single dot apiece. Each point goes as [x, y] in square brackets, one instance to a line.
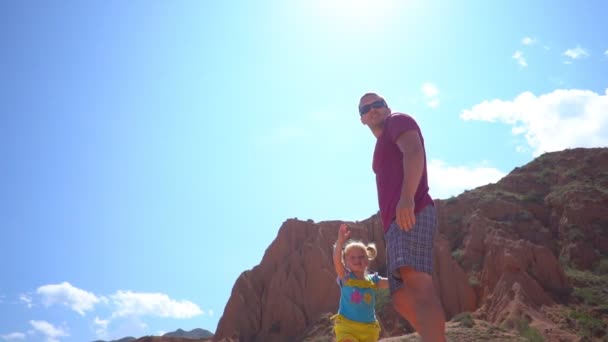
[150, 151]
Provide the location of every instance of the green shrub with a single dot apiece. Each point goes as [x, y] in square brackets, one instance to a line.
[546, 173]
[602, 267]
[574, 234]
[590, 325]
[465, 319]
[587, 279]
[383, 297]
[526, 331]
[564, 260]
[532, 334]
[586, 295]
[533, 198]
[457, 255]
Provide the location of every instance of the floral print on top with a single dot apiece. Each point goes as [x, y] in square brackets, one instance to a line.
[358, 297]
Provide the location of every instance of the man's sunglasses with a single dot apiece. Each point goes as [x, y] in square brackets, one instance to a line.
[377, 104]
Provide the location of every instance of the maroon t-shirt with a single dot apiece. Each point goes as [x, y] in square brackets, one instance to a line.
[388, 167]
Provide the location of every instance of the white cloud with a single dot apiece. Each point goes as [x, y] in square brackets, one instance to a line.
[26, 299]
[152, 304]
[68, 295]
[101, 327]
[210, 312]
[519, 57]
[429, 89]
[576, 53]
[13, 336]
[550, 122]
[606, 53]
[528, 41]
[51, 332]
[446, 181]
[431, 94]
[126, 304]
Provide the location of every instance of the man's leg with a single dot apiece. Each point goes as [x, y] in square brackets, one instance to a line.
[404, 305]
[410, 264]
[418, 303]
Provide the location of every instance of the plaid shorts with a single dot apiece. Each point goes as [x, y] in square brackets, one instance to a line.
[413, 248]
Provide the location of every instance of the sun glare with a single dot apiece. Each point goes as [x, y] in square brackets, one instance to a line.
[351, 13]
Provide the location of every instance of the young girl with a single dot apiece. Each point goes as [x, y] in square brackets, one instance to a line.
[356, 318]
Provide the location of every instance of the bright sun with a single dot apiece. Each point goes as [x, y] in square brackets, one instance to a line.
[355, 12]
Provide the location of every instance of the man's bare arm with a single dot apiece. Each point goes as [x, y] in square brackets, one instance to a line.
[410, 144]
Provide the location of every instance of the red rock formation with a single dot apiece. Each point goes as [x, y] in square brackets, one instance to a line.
[451, 282]
[293, 285]
[497, 254]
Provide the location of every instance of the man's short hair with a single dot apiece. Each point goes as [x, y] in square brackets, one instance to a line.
[371, 94]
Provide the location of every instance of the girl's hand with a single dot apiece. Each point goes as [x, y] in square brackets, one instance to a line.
[343, 233]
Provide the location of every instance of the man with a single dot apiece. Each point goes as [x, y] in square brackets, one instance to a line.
[408, 215]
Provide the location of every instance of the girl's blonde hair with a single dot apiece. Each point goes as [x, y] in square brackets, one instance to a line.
[370, 249]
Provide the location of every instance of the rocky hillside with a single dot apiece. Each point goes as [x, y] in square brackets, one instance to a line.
[197, 333]
[526, 257]
[180, 335]
[170, 339]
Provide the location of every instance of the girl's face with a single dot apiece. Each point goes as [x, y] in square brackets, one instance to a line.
[356, 259]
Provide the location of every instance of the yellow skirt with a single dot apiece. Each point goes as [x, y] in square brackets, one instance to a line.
[346, 329]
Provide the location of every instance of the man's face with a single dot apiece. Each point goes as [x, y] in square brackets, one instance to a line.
[373, 110]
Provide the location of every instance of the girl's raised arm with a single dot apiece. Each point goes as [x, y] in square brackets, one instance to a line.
[343, 234]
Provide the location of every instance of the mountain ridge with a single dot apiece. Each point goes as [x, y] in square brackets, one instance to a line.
[179, 335]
